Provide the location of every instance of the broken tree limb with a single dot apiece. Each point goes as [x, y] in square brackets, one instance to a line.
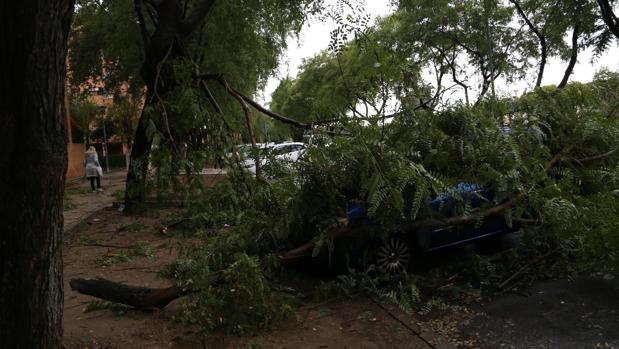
[306, 248]
[136, 296]
[237, 94]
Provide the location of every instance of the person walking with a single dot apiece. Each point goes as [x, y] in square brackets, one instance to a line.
[93, 169]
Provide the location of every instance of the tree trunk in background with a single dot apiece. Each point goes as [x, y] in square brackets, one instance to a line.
[135, 190]
[166, 42]
[155, 69]
[33, 162]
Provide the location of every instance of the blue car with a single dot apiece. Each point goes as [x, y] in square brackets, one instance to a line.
[393, 255]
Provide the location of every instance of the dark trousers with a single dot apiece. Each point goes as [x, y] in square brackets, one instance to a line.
[92, 182]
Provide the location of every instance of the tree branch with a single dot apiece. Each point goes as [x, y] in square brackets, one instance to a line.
[597, 157]
[573, 57]
[540, 37]
[609, 17]
[219, 78]
[452, 66]
[246, 112]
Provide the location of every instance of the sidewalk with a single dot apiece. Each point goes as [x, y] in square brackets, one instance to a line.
[80, 202]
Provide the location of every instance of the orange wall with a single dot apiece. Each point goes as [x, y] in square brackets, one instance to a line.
[75, 166]
[75, 151]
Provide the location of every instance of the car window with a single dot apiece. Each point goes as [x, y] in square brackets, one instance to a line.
[282, 150]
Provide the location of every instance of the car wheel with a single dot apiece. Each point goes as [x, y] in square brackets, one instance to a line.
[393, 256]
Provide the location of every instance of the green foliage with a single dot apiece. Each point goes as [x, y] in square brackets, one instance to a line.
[244, 303]
[395, 169]
[112, 258]
[104, 44]
[117, 308]
[132, 227]
[139, 249]
[142, 249]
[125, 113]
[83, 113]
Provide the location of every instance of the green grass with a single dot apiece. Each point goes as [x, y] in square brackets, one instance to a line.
[116, 308]
[112, 258]
[142, 249]
[131, 227]
[139, 249]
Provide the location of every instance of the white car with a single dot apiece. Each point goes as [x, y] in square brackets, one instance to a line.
[289, 152]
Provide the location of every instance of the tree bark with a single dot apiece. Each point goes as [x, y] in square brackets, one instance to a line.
[33, 161]
[609, 17]
[135, 296]
[164, 44]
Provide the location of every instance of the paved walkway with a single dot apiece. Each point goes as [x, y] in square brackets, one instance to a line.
[80, 202]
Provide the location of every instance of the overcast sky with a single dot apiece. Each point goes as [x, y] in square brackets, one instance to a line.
[314, 37]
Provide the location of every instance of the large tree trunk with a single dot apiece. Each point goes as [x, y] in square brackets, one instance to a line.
[33, 161]
[135, 191]
[164, 44]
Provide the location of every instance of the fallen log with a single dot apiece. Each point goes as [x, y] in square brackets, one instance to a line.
[136, 296]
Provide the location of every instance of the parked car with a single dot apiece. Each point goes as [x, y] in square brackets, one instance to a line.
[243, 151]
[287, 152]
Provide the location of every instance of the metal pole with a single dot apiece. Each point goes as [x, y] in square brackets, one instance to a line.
[107, 155]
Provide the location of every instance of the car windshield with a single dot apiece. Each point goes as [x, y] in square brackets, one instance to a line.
[285, 149]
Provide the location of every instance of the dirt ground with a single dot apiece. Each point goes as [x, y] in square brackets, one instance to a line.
[80, 201]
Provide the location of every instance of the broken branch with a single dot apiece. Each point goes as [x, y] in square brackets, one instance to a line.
[136, 296]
